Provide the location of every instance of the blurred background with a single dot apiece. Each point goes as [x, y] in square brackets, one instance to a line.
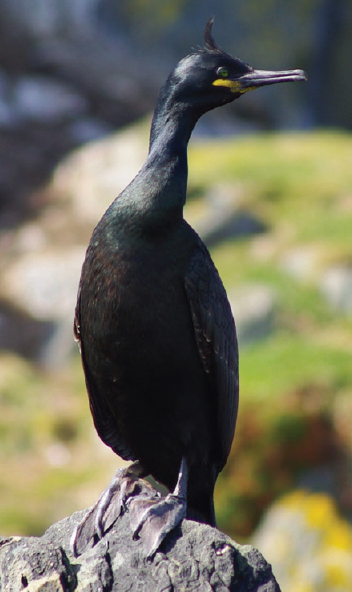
[270, 192]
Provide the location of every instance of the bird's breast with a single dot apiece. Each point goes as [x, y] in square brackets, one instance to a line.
[135, 290]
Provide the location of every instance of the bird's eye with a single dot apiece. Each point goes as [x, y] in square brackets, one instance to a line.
[222, 72]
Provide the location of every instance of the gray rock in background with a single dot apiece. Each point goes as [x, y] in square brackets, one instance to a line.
[254, 308]
[336, 285]
[42, 259]
[223, 219]
[44, 286]
[37, 98]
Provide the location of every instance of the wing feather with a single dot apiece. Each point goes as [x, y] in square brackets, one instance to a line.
[103, 417]
[215, 333]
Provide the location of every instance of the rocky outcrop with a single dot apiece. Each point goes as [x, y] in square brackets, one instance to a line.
[195, 557]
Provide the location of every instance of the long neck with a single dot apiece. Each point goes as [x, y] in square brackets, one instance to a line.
[156, 196]
[172, 123]
[171, 129]
[158, 192]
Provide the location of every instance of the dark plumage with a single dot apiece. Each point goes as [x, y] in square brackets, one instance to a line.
[157, 336]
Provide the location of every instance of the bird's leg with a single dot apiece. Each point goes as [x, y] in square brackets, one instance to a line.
[151, 520]
[112, 502]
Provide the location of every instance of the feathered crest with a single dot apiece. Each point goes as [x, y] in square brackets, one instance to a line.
[210, 44]
[208, 37]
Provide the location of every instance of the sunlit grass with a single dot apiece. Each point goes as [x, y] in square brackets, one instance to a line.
[52, 462]
[300, 180]
[287, 362]
[300, 184]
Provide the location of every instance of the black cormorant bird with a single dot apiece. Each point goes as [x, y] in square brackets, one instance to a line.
[157, 336]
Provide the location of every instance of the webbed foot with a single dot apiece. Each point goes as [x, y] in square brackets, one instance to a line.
[151, 517]
[151, 520]
[108, 508]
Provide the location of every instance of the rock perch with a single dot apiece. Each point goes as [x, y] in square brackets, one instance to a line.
[194, 557]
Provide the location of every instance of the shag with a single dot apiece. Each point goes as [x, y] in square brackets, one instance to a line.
[156, 332]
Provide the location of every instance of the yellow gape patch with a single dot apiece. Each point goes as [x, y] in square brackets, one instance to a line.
[234, 85]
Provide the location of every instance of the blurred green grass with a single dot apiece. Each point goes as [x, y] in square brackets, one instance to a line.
[300, 185]
[291, 382]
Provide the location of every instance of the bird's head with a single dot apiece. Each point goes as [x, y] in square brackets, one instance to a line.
[206, 79]
[210, 77]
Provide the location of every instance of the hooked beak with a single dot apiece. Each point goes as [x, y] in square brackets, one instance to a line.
[256, 78]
